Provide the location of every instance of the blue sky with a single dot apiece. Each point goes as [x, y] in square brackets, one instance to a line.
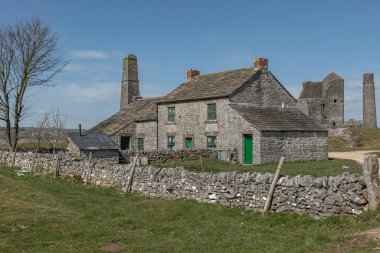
[304, 40]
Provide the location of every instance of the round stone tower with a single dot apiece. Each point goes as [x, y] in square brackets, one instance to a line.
[369, 102]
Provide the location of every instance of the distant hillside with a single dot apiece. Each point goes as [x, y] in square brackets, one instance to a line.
[26, 132]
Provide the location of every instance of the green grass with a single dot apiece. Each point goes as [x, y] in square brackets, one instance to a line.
[366, 138]
[46, 215]
[331, 167]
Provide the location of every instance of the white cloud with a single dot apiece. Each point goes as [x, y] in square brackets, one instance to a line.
[98, 91]
[90, 54]
[73, 67]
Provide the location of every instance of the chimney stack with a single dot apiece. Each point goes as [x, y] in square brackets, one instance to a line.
[80, 130]
[192, 73]
[369, 102]
[260, 63]
[130, 83]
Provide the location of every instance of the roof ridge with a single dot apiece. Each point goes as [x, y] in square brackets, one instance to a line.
[221, 72]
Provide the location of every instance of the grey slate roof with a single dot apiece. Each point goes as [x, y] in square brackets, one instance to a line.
[214, 85]
[93, 141]
[276, 119]
[139, 111]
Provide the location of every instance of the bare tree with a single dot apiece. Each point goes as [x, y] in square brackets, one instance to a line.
[39, 131]
[55, 127]
[28, 57]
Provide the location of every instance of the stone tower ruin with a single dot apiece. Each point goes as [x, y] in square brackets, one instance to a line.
[324, 101]
[369, 102]
[130, 90]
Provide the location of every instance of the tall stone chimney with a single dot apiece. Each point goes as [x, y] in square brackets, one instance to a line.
[369, 102]
[130, 89]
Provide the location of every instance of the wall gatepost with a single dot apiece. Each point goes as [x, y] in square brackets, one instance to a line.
[372, 180]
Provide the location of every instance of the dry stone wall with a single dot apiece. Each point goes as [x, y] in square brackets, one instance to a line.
[319, 197]
[163, 156]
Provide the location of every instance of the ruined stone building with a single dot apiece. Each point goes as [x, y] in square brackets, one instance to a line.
[324, 101]
[246, 111]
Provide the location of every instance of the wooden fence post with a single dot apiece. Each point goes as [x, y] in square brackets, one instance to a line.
[273, 186]
[202, 165]
[89, 170]
[56, 173]
[372, 179]
[128, 186]
[33, 161]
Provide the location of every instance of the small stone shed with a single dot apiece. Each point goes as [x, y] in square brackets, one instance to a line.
[99, 144]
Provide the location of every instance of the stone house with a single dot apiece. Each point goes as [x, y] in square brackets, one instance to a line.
[246, 113]
[245, 110]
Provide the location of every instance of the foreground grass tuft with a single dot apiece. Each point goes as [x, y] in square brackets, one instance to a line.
[331, 167]
[46, 215]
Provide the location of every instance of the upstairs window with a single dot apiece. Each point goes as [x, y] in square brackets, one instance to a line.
[140, 144]
[171, 114]
[211, 111]
[171, 142]
[211, 141]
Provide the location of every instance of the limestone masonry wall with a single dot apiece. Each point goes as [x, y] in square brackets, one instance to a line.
[319, 197]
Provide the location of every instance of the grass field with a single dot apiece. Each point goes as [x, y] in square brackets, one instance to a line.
[365, 138]
[46, 215]
[329, 167]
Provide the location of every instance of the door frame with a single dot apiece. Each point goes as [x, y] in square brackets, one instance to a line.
[245, 149]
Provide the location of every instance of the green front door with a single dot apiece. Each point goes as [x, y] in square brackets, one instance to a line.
[248, 149]
[189, 143]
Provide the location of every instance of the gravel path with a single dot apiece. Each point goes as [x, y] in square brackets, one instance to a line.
[357, 156]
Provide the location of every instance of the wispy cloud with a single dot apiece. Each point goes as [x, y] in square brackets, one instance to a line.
[89, 54]
[73, 67]
[99, 91]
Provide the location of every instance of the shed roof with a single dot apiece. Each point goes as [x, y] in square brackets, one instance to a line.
[276, 119]
[139, 111]
[93, 141]
[213, 85]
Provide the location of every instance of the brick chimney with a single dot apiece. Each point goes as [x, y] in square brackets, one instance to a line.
[260, 63]
[192, 73]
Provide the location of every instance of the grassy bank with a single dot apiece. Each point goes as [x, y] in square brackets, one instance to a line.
[361, 139]
[329, 167]
[45, 215]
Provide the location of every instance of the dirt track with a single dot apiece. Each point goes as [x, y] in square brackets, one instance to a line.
[357, 156]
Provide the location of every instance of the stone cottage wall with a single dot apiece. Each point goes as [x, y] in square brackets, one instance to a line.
[191, 121]
[263, 90]
[295, 146]
[319, 197]
[146, 130]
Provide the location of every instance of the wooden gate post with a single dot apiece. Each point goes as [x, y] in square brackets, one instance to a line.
[273, 186]
[128, 186]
